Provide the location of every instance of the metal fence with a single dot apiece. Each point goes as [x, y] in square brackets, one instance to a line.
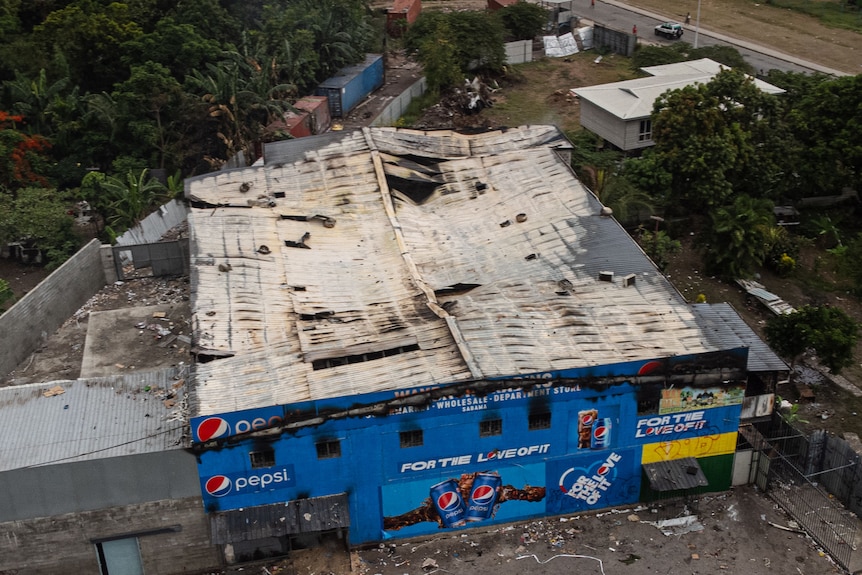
[813, 478]
[152, 260]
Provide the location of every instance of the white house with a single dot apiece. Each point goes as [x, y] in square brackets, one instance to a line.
[620, 112]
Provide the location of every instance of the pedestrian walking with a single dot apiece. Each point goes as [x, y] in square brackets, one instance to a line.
[592, 3]
[688, 18]
[635, 29]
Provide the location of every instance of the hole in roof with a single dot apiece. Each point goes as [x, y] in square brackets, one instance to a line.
[455, 289]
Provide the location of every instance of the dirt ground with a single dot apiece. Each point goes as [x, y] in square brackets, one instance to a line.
[740, 532]
[119, 326]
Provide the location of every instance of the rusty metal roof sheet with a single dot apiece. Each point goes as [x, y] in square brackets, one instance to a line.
[391, 258]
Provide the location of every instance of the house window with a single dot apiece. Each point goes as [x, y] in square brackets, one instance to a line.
[328, 449]
[411, 438]
[645, 133]
[119, 557]
[490, 427]
[264, 458]
[540, 421]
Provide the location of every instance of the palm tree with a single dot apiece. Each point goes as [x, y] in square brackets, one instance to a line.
[33, 99]
[626, 200]
[132, 200]
[735, 243]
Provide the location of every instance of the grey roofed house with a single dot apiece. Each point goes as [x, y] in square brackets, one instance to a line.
[620, 112]
[396, 257]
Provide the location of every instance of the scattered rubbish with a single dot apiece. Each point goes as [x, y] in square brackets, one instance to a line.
[695, 556]
[678, 525]
[56, 390]
[159, 314]
[633, 518]
[630, 559]
[540, 562]
[429, 563]
[794, 529]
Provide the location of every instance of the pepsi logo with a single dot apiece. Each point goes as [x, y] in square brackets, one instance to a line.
[649, 367]
[588, 419]
[218, 486]
[448, 501]
[482, 494]
[212, 428]
[604, 469]
[600, 432]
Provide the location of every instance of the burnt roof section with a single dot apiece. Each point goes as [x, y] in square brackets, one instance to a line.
[386, 258]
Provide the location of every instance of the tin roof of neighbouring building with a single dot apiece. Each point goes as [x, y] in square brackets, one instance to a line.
[633, 99]
[388, 258]
[83, 419]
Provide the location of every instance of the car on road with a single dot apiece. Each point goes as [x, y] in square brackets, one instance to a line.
[672, 30]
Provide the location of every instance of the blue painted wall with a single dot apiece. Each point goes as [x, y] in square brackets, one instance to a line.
[542, 471]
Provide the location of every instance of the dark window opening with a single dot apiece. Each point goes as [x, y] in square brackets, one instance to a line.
[645, 132]
[328, 449]
[490, 427]
[362, 357]
[540, 421]
[411, 438]
[262, 458]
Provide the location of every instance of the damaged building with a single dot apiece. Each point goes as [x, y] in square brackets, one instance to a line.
[397, 333]
[400, 332]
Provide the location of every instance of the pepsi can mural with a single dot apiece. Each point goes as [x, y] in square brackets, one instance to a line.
[483, 496]
[586, 420]
[449, 503]
[601, 435]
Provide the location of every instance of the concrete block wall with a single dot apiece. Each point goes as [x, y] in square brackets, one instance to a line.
[398, 106]
[44, 309]
[173, 537]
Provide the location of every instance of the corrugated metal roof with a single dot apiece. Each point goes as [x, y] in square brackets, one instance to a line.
[311, 515]
[633, 99]
[91, 419]
[684, 473]
[725, 329]
[492, 273]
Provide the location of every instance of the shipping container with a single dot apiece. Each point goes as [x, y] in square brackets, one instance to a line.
[401, 15]
[297, 124]
[351, 85]
[318, 110]
[494, 5]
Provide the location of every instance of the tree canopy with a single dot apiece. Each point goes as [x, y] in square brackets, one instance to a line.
[827, 330]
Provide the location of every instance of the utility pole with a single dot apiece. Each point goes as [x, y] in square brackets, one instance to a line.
[697, 24]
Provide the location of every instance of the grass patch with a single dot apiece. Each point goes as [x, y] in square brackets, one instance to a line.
[835, 14]
[538, 92]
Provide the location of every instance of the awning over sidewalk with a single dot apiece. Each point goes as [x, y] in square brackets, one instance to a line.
[311, 515]
[675, 475]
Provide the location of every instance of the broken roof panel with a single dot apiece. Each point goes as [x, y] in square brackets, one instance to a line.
[413, 258]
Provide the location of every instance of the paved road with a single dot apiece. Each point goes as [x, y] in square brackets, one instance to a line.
[624, 17]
